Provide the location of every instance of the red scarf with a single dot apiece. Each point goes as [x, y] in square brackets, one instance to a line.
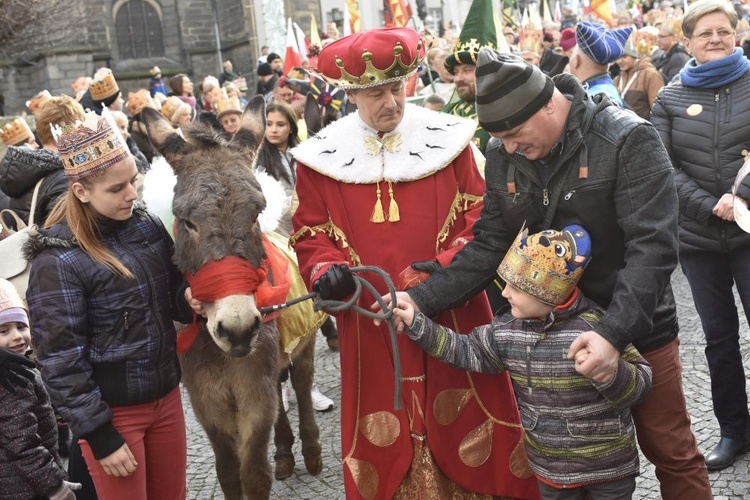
[236, 276]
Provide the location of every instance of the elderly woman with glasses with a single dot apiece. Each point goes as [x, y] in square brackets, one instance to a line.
[703, 121]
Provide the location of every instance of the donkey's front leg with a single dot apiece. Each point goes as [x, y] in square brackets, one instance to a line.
[227, 462]
[255, 436]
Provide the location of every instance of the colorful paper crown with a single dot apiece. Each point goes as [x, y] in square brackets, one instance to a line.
[139, 100]
[35, 101]
[104, 86]
[90, 146]
[547, 265]
[225, 104]
[478, 31]
[173, 108]
[371, 58]
[16, 132]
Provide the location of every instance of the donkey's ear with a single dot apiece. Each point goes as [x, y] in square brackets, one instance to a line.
[165, 138]
[252, 125]
[313, 120]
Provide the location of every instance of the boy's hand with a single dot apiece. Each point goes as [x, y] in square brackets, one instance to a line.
[121, 463]
[404, 312]
[397, 321]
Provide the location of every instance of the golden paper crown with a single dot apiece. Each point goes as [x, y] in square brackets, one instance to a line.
[91, 145]
[173, 108]
[104, 87]
[226, 104]
[139, 100]
[547, 265]
[16, 132]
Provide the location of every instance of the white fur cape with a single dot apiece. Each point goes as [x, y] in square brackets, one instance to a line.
[431, 141]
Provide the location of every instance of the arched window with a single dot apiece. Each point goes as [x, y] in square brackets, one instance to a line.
[138, 28]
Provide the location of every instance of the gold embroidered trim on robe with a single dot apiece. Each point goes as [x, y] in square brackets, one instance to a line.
[381, 428]
[426, 480]
[333, 232]
[460, 203]
[365, 476]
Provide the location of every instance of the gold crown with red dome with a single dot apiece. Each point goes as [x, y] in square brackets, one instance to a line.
[104, 85]
[371, 58]
[139, 100]
[16, 132]
[89, 146]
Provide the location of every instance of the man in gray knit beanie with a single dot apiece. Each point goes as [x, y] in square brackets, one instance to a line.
[509, 90]
[559, 156]
[512, 93]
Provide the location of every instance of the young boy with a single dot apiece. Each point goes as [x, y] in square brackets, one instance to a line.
[580, 437]
[29, 462]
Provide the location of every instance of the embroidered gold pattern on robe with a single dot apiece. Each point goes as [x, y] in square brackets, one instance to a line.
[334, 232]
[519, 461]
[425, 480]
[476, 446]
[365, 476]
[449, 404]
[380, 428]
[460, 204]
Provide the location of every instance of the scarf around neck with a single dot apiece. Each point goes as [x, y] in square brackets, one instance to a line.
[715, 74]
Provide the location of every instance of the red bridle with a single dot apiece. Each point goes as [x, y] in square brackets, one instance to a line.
[230, 275]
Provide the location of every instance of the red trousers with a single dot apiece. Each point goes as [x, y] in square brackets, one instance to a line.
[662, 426]
[155, 434]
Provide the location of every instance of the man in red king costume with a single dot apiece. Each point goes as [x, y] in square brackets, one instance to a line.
[388, 186]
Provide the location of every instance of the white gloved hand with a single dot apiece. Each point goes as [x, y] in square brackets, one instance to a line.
[65, 491]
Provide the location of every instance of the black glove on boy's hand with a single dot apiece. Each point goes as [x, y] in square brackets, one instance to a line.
[336, 283]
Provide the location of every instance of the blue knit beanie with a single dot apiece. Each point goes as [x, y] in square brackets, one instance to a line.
[603, 46]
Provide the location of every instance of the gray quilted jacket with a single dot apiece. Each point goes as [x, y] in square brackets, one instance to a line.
[705, 132]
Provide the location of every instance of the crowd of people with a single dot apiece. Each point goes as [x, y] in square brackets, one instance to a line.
[529, 196]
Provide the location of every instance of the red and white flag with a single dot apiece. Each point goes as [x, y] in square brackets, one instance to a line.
[292, 57]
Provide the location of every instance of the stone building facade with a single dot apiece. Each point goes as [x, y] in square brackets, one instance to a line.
[132, 36]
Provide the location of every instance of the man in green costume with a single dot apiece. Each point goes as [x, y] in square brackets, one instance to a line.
[479, 31]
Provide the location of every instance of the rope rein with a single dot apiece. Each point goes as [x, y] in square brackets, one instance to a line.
[351, 304]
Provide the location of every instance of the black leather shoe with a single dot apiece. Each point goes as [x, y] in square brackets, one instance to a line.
[724, 454]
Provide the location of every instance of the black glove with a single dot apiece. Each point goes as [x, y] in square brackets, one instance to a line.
[336, 283]
[426, 266]
[12, 367]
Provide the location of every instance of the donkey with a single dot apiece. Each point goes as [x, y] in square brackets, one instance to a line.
[231, 370]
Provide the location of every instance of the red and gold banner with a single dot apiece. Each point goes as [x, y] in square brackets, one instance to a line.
[397, 13]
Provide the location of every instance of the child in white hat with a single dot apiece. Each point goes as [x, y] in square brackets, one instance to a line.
[30, 464]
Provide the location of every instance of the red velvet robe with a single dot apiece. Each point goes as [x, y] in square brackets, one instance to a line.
[469, 422]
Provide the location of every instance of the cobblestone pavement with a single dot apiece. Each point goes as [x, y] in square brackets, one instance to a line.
[731, 483]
